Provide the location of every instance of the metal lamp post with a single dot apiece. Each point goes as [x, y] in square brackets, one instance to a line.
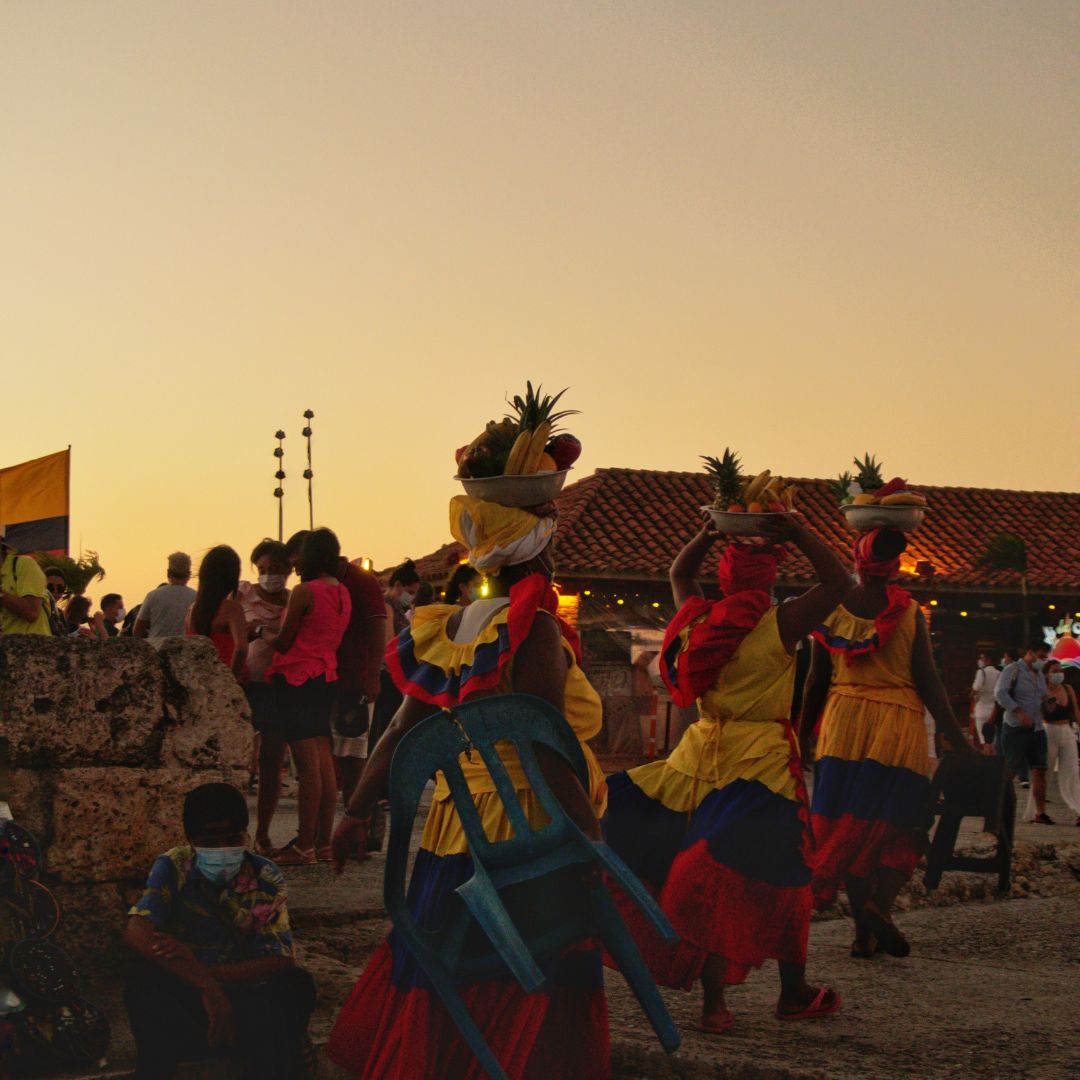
[308, 474]
[279, 491]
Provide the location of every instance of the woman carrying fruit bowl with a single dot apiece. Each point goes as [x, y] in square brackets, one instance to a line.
[871, 674]
[719, 830]
[393, 1025]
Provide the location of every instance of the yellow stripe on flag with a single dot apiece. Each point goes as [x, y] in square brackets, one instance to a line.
[35, 489]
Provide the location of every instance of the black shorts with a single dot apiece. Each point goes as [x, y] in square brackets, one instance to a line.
[260, 698]
[302, 712]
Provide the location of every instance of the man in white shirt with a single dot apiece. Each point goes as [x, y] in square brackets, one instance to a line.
[982, 696]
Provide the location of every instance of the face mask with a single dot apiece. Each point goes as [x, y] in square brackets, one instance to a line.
[982, 663]
[1057, 678]
[219, 864]
[405, 601]
[272, 582]
[121, 615]
[1038, 665]
[476, 593]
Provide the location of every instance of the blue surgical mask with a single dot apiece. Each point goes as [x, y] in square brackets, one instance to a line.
[219, 864]
[1056, 679]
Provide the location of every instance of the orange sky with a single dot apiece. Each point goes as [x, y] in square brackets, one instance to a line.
[802, 230]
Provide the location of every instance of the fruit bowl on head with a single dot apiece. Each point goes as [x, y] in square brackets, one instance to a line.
[741, 523]
[868, 516]
[533, 489]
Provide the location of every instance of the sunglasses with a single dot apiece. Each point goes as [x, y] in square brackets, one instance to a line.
[56, 587]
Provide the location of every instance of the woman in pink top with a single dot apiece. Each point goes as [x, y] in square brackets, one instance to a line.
[303, 667]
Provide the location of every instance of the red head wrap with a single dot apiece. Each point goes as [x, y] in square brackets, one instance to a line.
[865, 562]
[744, 568]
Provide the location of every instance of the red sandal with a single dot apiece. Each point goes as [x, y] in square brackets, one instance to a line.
[820, 1006]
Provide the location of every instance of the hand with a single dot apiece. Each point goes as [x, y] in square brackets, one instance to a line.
[221, 1032]
[1025, 720]
[349, 840]
[780, 528]
[165, 947]
[708, 531]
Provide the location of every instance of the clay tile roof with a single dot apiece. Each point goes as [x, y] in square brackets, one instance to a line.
[631, 523]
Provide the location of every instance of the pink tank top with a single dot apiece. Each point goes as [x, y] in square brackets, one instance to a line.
[314, 652]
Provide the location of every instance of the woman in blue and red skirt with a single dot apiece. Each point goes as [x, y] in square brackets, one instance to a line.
[718, 830]
[393, 1026]
[871, 676]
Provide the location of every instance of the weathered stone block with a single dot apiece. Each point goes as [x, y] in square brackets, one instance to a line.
[28, 792]
[67, 702]
[208, 714]
[110, 823]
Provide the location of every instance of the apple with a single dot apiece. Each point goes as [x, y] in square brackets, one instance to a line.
[564, 449]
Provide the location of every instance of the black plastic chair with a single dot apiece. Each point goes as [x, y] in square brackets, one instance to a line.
[529, 897]
[972, 787]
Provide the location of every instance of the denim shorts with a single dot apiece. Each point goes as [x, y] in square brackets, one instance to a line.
[1024, 746]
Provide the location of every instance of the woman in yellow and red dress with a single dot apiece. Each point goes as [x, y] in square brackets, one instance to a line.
[718, 830]
[871, 674]
[393, 1026]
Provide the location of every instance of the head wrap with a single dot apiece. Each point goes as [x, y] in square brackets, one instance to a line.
[744, 567]
[498, 536]
[865, 562]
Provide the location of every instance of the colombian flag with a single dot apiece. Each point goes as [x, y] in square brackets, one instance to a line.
[34, 503]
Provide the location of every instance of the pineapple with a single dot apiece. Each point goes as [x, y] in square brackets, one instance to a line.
[725, 475]
[839, 487]
[536, 420]
[869, 474]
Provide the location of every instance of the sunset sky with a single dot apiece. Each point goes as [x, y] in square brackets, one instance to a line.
[802, 230]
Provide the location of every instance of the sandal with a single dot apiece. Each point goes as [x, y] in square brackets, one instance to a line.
[265, 850]
[324, 854]
[887, 933]
[294, 855]
[725, 1022]
[827, 1001]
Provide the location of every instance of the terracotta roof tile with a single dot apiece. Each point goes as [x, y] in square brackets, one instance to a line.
[632, 523]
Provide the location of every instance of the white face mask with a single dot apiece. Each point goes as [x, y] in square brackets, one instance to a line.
[1038, 665]
[272, 582]
[405, 601]
[121, 615]
[1056, 679]
[982, 663]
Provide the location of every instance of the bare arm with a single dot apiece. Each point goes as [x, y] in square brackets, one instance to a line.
[931, 689]
[300, 602]
[818, 681]
[97, 627]
[800, 616]
[684, 570]
[141, 628]
[26, 608]
[373, 635]
[234, 613]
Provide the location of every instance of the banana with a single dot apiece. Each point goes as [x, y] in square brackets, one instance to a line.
[789, 494]
[517, 453]
[756, 487]
[531, 460]
[904, 498]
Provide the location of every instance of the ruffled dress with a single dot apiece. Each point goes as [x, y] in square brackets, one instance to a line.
[870, 781]
[393, 1026]
[718, 831]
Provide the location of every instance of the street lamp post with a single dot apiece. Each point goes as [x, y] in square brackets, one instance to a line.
[308, 474]
[279, 491]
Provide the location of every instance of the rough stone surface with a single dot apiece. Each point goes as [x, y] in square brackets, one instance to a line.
[67, 702]
[109, 824]
[210, 722]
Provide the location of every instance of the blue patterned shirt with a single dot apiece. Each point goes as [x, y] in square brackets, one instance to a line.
[244, 919]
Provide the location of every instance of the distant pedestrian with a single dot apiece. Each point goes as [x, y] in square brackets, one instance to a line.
[216, 613]
[400, 594]
[982, 698]
[1020, 692]
[464, 585]
[112, 613]
[22, 593]
[56, 585]
[165, 608]
[1061, 715]
[302, 674]
[80, 623]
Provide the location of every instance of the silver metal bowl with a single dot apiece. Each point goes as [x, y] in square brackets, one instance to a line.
[531, 490]
[865, 518]
[739, 524]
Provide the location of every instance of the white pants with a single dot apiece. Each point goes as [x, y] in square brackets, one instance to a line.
[1061, 751]
[982, 714]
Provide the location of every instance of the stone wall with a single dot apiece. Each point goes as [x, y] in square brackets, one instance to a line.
[99, 741]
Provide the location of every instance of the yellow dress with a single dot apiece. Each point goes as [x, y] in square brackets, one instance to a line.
[718, 830]
[393, 1027]
[870, 783]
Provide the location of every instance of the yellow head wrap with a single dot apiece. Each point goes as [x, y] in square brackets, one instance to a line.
[498, 536]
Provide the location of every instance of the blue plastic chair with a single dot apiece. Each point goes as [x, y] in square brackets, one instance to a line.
[528, 898]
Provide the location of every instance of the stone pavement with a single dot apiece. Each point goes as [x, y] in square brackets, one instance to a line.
[989, 990]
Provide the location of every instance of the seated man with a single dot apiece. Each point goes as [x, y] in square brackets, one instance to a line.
[214, 971]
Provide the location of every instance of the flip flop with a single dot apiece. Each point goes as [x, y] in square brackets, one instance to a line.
[888, 935]
[720, 1026]
[820, 1006]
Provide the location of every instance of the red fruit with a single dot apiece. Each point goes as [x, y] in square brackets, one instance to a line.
[459, 452]
[891, 488]
[777, 508]
[565, 449]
